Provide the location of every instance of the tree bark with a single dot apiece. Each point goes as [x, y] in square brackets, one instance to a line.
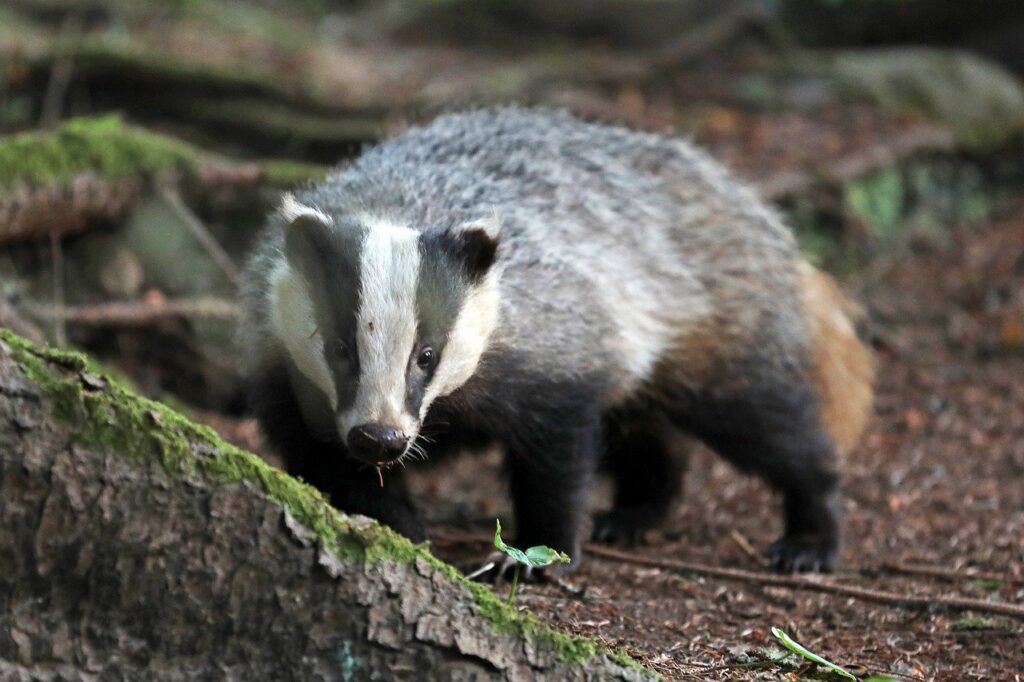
[136, 545]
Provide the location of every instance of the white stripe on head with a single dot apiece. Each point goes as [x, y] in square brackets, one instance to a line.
[467, 340]
[293, 320]
[385, 326]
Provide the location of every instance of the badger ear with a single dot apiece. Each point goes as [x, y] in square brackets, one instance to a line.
[475, 244]
[306, 234]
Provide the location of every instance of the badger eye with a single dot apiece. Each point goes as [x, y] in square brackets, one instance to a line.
[426, 358]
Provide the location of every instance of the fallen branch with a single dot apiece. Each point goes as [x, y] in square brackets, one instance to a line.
[139, 313]
[64, 209]
[949, 574]
[774, 580]
[744, 544]
[812, 584]
[92, 170]
[202, 235]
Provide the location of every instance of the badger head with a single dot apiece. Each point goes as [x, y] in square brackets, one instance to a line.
[382, 318]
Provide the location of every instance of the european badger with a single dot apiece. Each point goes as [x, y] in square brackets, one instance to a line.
[562, 289]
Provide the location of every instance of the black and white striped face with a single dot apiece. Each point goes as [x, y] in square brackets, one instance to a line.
[383, 319]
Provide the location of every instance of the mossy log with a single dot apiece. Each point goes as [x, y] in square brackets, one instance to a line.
[94, 169]
[137, 545]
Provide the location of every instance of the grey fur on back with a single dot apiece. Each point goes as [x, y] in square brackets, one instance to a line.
[620, 250]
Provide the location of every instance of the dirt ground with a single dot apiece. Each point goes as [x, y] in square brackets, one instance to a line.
[938, 482]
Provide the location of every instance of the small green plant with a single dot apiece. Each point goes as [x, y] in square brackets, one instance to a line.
[968, 624]
[810, 656]
[534, 557]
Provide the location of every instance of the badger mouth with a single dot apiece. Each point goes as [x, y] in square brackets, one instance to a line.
[412, 450]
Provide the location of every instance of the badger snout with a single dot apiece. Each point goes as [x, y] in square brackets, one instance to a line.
[376, 443]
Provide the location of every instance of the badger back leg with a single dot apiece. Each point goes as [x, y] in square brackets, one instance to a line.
[350, 486]
[792, 430]
[774, 430]
[646, 457]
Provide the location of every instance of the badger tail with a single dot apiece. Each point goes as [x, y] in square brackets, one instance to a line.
[841, 366]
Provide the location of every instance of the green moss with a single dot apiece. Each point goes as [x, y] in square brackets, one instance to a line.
[979, 100]
[109, 417]
[972, 623]
[248, 20]
[505, 616]
[103, 145]
[12, 25]
[921, 196]
[877, 200]
[569, 648]
[986, 584]
[289, 173]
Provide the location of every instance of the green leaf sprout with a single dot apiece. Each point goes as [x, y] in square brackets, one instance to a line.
[534, 557]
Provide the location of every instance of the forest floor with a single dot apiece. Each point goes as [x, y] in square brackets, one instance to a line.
[938, 482]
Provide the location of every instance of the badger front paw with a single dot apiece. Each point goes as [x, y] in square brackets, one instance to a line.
[801, 554]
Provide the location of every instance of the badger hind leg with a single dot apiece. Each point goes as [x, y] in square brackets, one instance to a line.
[646, 457]
[774, 430]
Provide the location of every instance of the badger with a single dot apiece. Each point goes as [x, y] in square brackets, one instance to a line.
[571, 292]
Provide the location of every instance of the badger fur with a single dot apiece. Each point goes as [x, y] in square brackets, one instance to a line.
[565, 290]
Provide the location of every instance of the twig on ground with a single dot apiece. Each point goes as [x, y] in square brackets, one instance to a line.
[748, 548]
[571, 589]
[784, 581]
[949, 574]
[814, 585]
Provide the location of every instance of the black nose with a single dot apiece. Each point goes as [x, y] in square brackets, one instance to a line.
[375, 443]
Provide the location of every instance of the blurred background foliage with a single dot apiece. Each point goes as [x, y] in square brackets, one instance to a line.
[143, 140]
